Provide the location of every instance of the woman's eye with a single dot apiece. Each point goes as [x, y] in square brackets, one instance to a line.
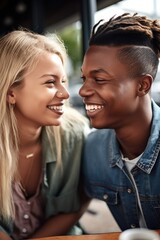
[64, 81]
[50, 82]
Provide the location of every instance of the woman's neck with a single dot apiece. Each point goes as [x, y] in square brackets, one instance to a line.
[29, 137]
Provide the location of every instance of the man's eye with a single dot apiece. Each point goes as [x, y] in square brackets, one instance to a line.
[99, 80]
[83, 78]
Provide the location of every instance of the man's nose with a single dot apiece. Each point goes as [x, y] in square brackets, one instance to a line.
[85, 90]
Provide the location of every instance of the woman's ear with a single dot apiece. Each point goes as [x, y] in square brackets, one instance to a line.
[11, 98]
[144, 85]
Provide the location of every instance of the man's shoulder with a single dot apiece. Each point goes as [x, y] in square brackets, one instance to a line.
[100, 134]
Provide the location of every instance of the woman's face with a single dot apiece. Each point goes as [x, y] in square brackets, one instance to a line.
[109, 94]
[39, 101]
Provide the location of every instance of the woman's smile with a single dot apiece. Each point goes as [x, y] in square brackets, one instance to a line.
[59, 109]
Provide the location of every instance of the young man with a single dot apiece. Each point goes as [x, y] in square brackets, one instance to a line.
[121, 160]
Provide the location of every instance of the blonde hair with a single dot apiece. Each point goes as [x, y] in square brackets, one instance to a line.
[19, 52]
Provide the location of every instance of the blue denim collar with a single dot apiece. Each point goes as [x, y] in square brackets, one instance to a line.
[148, 159]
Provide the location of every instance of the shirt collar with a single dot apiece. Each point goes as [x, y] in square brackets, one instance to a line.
[49, 155]
[152, 149]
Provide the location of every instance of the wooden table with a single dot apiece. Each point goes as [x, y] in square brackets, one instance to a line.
[100, 236]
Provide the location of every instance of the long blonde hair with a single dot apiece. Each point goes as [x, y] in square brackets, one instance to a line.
[19, 51]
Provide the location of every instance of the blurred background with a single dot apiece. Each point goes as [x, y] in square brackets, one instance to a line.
[72, 20]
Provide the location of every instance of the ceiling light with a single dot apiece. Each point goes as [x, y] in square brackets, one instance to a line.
[8, 21]
[21, 7]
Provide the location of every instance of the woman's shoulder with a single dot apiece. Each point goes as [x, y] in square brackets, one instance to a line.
[74, 123]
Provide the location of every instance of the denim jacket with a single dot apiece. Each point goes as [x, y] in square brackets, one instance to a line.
[106, 177]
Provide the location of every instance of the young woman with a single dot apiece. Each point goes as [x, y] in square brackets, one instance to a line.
[41, 139]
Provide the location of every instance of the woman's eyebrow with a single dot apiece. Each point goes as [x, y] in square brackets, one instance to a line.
[48, 75]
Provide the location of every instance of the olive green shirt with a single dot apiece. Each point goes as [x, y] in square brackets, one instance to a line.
[60, 183]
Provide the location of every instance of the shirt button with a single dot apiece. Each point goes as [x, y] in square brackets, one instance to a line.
[26, 216]
[129, 190]
[29, 203]
[24, 230]
[105, 196]
[133, 226]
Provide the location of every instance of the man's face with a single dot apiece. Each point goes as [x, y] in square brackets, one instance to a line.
[109, 94]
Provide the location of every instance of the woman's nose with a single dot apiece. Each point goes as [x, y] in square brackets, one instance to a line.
[62, 93]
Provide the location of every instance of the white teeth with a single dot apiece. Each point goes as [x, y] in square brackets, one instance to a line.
[93, 108]
[56, 108]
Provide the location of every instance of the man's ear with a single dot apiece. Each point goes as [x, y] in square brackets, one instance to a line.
[144, 85]
[11, 98]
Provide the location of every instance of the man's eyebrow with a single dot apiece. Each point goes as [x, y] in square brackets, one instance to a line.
[98, 70]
